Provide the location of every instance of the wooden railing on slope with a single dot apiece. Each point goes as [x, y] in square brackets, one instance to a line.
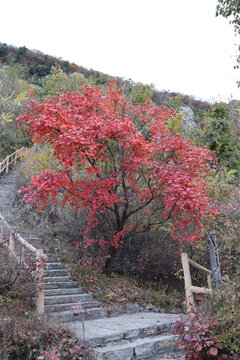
[40, 258]
[189, 288]
[9, 160]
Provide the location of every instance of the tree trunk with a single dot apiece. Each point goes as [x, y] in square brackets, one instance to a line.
[111, 254]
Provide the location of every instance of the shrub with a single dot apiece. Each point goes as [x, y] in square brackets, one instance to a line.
[29, 337]
[212, 331]
[197, 337]
[23, 335]
[16, 285]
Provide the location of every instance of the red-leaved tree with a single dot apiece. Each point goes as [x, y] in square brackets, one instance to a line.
[121, 163]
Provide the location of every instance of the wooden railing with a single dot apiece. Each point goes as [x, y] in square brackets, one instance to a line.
[189, 288]
[9, 239]
[9, 160]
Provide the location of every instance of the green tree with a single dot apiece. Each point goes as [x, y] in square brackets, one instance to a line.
[3, 51]
[142, 93]
[59, 81]
[66, 67]
[217, 133]
[230, 9]
[21, 52]
[14, 93]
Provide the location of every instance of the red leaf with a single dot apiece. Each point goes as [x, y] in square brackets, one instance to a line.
[213, 351]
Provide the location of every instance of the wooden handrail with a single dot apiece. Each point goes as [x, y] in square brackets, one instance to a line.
[199, 267]
[200, 290]
[189, 288]
[40, 259]
[9, 160]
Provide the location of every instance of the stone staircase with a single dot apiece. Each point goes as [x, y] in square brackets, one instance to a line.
[63, 298]
[142, 335]
[127, 337]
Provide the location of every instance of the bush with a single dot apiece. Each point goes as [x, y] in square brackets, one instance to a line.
[212, 331]
[29, 337]
[23, 335]
[197, 337]
[16, 285]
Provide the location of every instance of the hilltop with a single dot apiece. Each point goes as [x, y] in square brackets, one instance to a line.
[36, 65]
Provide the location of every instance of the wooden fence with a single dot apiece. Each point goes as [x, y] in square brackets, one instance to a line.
[11, 239]
[9, 160]
[189, 288]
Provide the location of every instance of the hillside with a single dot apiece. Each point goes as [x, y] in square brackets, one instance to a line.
[118, 179]
[36, 65]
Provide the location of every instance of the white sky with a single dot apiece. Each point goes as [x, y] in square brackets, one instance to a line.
[178, 45]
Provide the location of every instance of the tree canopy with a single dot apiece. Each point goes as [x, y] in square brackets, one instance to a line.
[230, 9]
[120, 163]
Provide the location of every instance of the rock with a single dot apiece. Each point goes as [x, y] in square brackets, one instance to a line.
[152, 308]
[132, 308]
[187, 122]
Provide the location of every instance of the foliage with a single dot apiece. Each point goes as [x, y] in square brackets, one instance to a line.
[142, 93]
[197, 337]
[116, 292]
[58, 81]
[30, 337]
[3, 51]
[217, 133]
[16, 296]
[226, 308]
[226, 225]
[9, 270]
[230, 9]
[211, 331]
[37, 65]
[23, 334]
[14, 93]
[121, 163]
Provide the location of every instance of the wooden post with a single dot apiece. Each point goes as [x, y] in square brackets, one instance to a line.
[23, 254]
[209, 281]
[15, 159]
[7, 166]
[188, 281]
[2, 231]
[40, 283]
[12, 243]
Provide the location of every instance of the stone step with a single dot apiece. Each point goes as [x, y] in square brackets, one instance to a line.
[125, 328]
[172, 356]
[56, 279]
[143, 348]
[76, 317]
[61, 285]
[68, 291]
[66, 299]
[55, 272]
[72, 307]
[54, 265]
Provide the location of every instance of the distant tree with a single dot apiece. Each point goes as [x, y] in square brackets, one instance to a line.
[66, 67]
[58, 81]
[142, 93]
[217, 133]
[14, 93]
[3, 51]
[121, 164]
[21, 52]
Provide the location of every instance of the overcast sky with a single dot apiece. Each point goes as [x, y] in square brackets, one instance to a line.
[178, 45]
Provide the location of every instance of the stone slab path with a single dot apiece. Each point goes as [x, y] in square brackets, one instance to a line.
[126, 337]
[127, 325]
